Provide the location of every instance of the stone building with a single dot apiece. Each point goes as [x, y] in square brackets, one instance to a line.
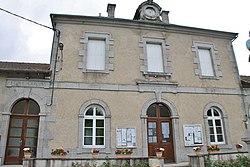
[119, 83]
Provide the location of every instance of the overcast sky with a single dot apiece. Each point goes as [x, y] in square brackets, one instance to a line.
[23, 41]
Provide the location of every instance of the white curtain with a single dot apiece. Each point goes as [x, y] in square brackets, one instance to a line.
[96, 54]
[206, 63]
[154, 58]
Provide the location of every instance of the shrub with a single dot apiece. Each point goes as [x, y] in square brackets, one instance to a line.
[241, 161]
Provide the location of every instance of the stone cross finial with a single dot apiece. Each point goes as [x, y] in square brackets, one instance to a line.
[150, 1]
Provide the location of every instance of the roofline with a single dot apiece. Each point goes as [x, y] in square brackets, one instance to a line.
[138, 24]
[25, 70]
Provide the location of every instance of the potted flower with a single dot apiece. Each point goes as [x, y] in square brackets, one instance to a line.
[213, 148]
[59, 153]
[123, 153]
[239, 147]
[27, 152]
[94, 152]
[158, 152]
[197, 150]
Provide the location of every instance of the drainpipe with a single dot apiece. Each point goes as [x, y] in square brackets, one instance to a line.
[54, 56]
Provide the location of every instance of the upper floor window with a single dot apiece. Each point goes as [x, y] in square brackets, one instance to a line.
[155, 58]
[208, 66]
[206, 63]
[96, 52]
[215, 125]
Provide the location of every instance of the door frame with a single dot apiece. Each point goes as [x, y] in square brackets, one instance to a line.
[157, 132]
[25, 117]
[175, 126]
[41, 97]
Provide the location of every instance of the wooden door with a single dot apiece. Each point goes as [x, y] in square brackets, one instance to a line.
[23, 132]
[160, 134]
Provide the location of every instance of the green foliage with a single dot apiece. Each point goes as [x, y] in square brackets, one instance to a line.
[241, 161]
[139, 163]
[107, 164]
[76, 164]
[86, 164]
[142, 163]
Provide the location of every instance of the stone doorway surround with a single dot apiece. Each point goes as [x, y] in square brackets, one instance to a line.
[42, 97]
[175, 125]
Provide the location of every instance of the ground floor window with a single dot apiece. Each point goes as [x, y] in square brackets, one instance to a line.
[215, 124]
[94, 126]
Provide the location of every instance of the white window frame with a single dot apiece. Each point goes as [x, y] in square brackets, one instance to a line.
[215, 62]
[83, 53]
[214, 118]
[166, 72]
[81, 149]
[226, 129]
[94, 118]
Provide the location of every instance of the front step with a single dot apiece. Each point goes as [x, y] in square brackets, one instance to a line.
[183, 164]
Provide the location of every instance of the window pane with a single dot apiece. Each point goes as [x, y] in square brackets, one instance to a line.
[99, 132]
[14, 141]
[19, 107]
[212, 139]
[30, 142]
[88, 132]
[90, 112]
[33, 108]
[152, 133]
[96, 54]
[99, 140]
[15, 131]
[219, 130]
[210, 122]
[88, 123]
[220, 138]
[13, 151]
[99, 123]
[206, 64]
[211, 130]
[99, 111]
[87, 140]
[209, 113]
[31, 132]
[164, 112]
[216, 113]
[217, 122]
[165, 131]
[151, 112]
[33, 123]
[154, 58]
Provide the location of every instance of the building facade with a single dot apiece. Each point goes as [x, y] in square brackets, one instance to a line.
[117, 83]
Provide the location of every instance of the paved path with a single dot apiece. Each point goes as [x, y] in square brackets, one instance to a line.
[11, 166]
[183, 164]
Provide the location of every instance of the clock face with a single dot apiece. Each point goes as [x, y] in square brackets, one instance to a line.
[248, 44]
[150, 12]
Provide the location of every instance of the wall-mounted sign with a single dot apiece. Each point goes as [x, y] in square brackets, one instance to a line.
[125, 137]
[192, 134]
